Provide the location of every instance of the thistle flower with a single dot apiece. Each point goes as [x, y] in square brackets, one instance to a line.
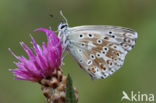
[43, 66]
[42, 60]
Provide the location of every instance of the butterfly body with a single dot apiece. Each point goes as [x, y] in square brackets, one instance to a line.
[100, 50]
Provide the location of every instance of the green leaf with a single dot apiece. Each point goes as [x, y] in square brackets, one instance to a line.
[70, 96]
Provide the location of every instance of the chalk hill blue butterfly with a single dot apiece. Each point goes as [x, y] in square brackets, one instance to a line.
[99, 50]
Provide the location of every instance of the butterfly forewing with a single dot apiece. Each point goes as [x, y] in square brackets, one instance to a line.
[100, 50]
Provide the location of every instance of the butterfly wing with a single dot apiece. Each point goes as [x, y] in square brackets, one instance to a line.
[100, 50]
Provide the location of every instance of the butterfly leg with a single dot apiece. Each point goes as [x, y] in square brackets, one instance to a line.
[66, 53]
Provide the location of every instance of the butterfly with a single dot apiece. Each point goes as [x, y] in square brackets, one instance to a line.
[99, 50]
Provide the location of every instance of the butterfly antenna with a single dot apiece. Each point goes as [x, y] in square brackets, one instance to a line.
[52, 16]
[56, 18]
[61, 13]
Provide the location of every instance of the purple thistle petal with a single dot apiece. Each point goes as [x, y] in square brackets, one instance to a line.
[27, 50]
[42, 60]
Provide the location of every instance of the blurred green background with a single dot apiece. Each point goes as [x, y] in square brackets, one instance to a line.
[18, 18]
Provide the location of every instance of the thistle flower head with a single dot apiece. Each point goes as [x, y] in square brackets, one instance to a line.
[42, 61]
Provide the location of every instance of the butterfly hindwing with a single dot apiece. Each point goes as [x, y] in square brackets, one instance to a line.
[100, 50]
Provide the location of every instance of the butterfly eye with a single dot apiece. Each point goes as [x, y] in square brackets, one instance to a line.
[63, 26]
